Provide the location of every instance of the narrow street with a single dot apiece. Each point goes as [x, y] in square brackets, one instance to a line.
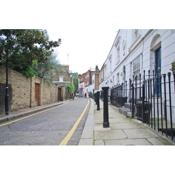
[48, 127]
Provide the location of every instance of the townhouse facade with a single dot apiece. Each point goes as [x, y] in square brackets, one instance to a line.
[144, 57]
[136, 50]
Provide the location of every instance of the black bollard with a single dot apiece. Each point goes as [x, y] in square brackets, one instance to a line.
[98, 100]
[95, 98]
[105, 108]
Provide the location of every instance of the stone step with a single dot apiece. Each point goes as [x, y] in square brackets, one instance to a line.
[125, 111]
[127, 105]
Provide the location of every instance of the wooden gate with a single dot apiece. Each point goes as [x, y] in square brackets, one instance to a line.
[59, 94]
[37, 94]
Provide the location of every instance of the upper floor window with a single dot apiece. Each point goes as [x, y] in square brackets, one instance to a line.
[118, 78]
[110, 62]
[135, 34]
[136, 66]
[61, 78]
[117, 46]
[124, 47]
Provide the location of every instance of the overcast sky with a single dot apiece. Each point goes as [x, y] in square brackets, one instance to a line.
[87, 27]
[84, 49]
[87, 34]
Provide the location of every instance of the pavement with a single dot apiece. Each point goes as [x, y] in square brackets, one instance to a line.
[123, 130]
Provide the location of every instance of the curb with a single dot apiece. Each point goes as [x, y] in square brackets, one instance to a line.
[87, 134]
[25, 113]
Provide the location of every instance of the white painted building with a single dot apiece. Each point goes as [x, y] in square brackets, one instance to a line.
[136, 50]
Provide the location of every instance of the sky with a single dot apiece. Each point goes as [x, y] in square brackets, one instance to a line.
[82, 51]
[87, 27]
[87, 34]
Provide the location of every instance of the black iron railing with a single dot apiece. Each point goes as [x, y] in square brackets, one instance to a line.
[119, 95]
[152, 100]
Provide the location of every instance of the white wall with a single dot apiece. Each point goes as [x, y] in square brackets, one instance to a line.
[142, 49]
[131, 47]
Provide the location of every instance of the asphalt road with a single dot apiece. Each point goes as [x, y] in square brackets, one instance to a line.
[47, 128]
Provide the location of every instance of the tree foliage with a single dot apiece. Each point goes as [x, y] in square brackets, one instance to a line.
[28, 51]
[71, 88]
[75, 80]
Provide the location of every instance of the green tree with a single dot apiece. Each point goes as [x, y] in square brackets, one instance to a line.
[75, 81]
[27, 51]
[71, 88]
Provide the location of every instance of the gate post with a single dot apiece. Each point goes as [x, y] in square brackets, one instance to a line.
[105, 108]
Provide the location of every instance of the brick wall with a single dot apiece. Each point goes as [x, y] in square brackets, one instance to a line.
[21, 90]
[49, 92]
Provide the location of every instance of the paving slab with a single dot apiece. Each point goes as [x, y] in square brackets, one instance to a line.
[126, 125]
[110, 134]
[123, 130]
[140, 133]
[99, 142]
[127, 142]
[86, 142]
[158, 141]
[99, 127]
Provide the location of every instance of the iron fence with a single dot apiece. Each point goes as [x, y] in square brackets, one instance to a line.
[119, 95]
[151, 99]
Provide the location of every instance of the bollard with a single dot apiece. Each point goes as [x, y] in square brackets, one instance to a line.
[98, 100]
[95, 98]
[105, 108]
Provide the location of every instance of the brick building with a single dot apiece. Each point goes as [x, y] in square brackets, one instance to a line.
[89, 82]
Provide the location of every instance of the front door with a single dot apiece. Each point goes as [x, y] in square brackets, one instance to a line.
[157, 71]
[59, 94]
[37, 94]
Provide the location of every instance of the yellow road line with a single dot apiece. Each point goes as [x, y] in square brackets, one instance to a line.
[71, 132]
[22, 118]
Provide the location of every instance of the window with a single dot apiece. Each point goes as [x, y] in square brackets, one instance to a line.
[117, 46]
[118, 78]
[136, 66]
[124, 47]
[61, 78]
[124, 74]
[110, 60]
[135, 34]
[118, 54]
